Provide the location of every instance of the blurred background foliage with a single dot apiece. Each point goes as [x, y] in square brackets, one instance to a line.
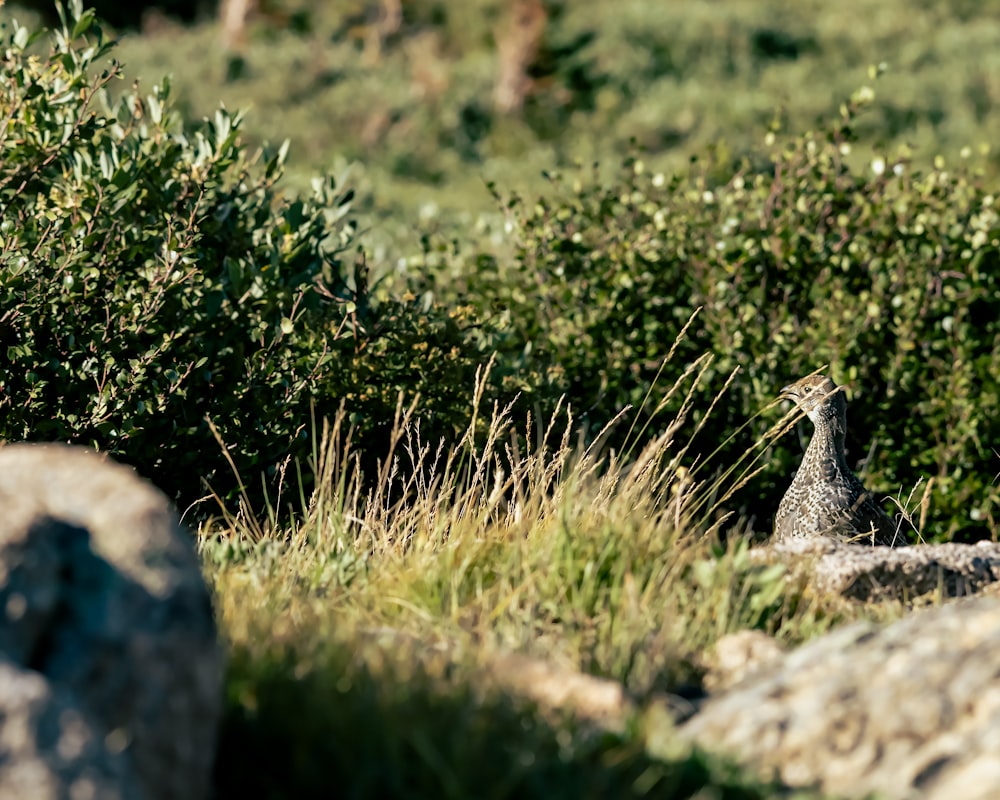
[406, 94]
[564, 184]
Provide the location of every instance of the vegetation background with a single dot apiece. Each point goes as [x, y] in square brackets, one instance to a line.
[579, 244]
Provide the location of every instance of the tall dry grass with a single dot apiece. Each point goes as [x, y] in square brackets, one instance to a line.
[513, 539]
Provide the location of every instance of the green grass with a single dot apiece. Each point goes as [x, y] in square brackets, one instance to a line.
[368, 639]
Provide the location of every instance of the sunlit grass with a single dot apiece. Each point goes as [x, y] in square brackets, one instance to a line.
[391, 602]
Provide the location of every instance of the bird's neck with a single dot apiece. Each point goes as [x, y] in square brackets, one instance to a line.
[827, 443]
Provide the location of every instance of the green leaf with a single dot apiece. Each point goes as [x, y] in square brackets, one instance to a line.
[84, 21]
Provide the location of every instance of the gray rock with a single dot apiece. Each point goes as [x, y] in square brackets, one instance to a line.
[912, 709]
[50, 747]
[882, 573]
[738, 655]
[104, 600]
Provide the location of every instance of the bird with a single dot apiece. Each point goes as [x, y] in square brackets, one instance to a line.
[826, 500]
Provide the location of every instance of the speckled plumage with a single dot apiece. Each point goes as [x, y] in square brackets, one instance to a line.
[826, 499]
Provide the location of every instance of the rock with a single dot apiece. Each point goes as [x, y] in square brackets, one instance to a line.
[108, 621]
[882, 573]
[51, 747]
[600, 701]
[737, 655]
[909, 709]
[552, 687]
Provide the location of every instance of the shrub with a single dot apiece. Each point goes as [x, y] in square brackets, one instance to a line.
[798, 258]
[154, 278]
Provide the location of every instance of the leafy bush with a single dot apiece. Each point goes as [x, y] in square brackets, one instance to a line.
[797, 260]
[155, 279]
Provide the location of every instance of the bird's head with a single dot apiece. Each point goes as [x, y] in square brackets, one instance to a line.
[817, 396]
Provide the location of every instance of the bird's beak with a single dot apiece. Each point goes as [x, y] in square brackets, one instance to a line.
[787, 392]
